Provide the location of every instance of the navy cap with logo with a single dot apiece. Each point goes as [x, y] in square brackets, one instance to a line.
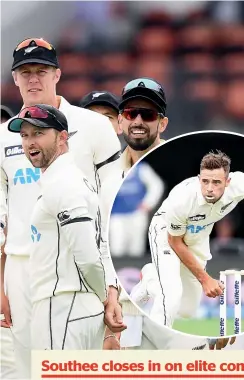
[100, 98]
[34, 50]
[145, 88]
[40, 115]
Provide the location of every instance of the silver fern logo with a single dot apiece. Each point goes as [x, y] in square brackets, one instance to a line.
[97, 94]
[29, 49]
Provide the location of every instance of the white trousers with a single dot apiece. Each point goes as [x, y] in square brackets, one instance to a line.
[128, 234]
[179, 292]
[8, 370]
[132, 336]
[155, 337]
[144, 334]
[18, 293]
[162, 338]
[68, 321]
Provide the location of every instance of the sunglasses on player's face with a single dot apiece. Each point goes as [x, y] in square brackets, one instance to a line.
[37, 41]
[146, 114]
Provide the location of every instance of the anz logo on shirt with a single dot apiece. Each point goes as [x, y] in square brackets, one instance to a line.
[35, 236]
[26, 176]
[196, 229]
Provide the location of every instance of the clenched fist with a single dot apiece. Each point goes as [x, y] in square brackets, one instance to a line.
[212, 288]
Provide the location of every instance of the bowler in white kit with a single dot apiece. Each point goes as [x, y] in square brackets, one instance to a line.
[67, 277]
[179, 238]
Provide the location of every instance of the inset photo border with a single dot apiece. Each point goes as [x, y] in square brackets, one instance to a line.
[176, 233]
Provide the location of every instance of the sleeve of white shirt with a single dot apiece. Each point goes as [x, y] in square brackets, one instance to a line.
[107, 196]
[153, 183]
[67, 202]
[176, 213]
[106, 147]
[107, 152]
[237, 185]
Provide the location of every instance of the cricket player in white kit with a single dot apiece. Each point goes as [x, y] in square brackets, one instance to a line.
[36, 73]
[67, 277]
[179, 237]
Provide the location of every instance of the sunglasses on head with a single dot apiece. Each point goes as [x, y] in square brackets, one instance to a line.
[142, 82]
[36, 112]
[145, 113]
[34, 42]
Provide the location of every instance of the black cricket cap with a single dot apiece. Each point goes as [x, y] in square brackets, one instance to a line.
[34, 50]
[100, 98]
[40, 115]
[145, 88]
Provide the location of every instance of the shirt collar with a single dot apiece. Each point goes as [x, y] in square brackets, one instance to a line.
[127, 159]
[64, 104]
[60, 162]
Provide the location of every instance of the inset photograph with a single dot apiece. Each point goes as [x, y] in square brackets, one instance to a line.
[176, 234]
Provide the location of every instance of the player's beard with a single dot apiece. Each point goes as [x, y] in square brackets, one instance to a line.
[45, 157]
[140, 144]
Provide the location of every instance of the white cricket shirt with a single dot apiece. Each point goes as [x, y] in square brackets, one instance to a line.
[64, 256]
[96, 149]
[187, 213]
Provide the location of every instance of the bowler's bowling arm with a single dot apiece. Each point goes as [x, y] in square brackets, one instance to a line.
[187, 258]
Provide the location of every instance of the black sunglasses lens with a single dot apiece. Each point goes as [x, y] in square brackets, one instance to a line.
[149, 115]
[146, 114]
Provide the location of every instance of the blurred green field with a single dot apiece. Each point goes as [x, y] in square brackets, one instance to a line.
[204, 327]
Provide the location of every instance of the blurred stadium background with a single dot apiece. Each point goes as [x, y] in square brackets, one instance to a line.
[194, 48]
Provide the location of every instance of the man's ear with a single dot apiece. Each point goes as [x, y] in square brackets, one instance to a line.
[58, 75]
[14, 75]
[120, 129]
[63, 137]
[163, 124]
[228, 182]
